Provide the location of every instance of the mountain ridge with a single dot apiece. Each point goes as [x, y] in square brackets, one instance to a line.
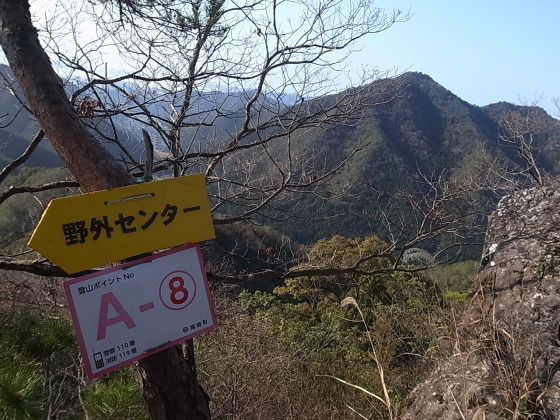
[425, 130]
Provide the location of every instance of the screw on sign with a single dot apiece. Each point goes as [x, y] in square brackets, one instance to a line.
[128, 312]
[94, 229]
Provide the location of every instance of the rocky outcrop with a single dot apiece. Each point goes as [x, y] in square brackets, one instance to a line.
[506, 363]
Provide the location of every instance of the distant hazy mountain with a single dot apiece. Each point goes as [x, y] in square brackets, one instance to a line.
[17, 126]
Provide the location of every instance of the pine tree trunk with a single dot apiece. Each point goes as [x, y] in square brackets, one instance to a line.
[92, 166]
[159, 375]
[169, 384]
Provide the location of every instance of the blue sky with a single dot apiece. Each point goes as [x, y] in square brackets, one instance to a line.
[484, 51]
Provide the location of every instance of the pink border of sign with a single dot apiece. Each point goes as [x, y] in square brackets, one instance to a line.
[79, 334]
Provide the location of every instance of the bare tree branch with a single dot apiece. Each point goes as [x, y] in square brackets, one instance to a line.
[193, 68]
[23, 157]
[39, 267]
[36, 188]
[520, 130]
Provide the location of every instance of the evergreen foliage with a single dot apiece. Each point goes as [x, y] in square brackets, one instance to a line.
[41, 376]
[405, 314]
[118, 398]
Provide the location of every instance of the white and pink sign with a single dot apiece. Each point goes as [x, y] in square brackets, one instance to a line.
[128, 312]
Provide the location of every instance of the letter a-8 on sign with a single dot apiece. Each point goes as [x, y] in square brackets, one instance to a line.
[136, 309]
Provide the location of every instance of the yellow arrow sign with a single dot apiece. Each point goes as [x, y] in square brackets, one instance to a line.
[94, 229]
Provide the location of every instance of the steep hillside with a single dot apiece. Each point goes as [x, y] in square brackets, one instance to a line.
[425, 129]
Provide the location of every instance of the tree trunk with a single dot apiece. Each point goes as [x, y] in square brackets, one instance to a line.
[92, 166]
[169, 384]
[159, 375]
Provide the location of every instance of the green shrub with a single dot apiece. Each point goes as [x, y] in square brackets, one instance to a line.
[41, 377]
[116, 399]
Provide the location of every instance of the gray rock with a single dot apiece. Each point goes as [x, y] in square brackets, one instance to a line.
[507, 359]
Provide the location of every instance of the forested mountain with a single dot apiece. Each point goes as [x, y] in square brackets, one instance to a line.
[423, 132]
[440, 156]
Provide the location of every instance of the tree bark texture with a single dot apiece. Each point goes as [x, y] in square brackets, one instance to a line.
[160, 374]
[92, 166]
[169, 384]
